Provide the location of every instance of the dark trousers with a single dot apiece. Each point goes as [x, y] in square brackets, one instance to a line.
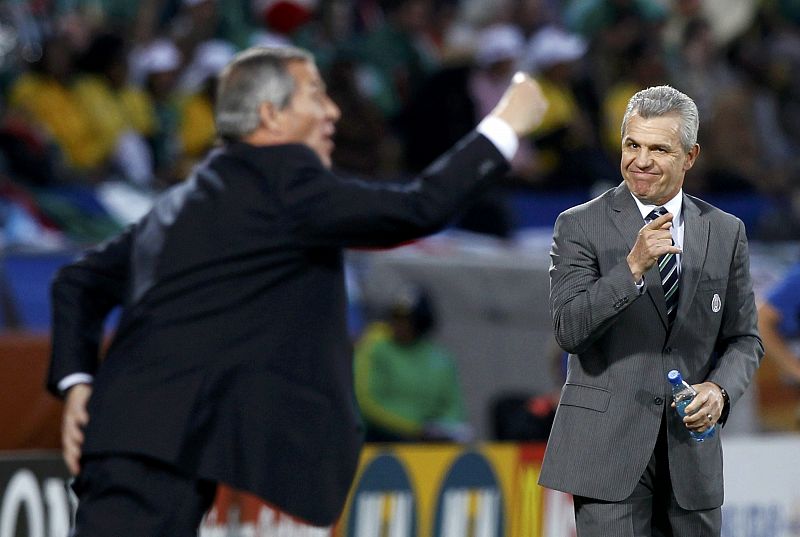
[650, 511]
[122, 496]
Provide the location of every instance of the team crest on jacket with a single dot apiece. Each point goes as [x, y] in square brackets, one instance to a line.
[716, 303]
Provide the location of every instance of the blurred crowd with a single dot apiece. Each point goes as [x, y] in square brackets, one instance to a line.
[107, 102]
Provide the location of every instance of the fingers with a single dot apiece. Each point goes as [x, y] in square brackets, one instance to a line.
[72, 439]
[661, 239]
[706, 408]
[72, 449]
[75, 419]
[696, 412]
[660, 222]
[653, 241]
[659, 230]
[700, 420]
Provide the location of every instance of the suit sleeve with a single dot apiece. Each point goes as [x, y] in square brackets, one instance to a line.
[583, 302]
[83, 293]
[738, 343]
[329, 211]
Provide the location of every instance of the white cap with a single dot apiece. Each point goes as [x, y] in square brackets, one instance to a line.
[499, 42]
[159, 56]
[551, 46]
[208, 60]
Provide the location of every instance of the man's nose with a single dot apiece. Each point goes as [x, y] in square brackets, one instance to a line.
[332, 110]
[643, 158]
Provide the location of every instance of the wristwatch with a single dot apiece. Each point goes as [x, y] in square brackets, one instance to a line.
[725, 398]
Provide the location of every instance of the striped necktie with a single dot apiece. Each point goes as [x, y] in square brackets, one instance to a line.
[668, 267]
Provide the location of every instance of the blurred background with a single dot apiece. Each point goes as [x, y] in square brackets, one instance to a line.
[105, 103]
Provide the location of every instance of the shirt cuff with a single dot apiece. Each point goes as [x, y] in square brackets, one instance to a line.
[640, 285]
[71, 380]
[500, 134]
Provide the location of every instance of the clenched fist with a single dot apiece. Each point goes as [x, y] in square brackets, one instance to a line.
[523, 105]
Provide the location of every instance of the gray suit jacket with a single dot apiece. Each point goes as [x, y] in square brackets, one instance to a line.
[616, 389]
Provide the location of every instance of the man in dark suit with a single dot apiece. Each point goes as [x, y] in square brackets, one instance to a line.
[231, 362]
[617, 444]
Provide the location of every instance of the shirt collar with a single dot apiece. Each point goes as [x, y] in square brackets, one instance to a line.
[675, 205]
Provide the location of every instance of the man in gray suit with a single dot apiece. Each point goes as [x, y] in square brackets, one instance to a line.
[617, 444]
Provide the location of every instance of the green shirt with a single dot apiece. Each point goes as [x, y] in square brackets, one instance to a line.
[401, 388]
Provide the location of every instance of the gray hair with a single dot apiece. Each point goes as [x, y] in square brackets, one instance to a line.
[254, 76]
[661, 101]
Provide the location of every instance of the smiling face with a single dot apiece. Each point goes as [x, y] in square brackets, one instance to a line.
[653, 161]
[311, 116]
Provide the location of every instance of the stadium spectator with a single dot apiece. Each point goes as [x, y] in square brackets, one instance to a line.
[407, 384]
[44, 94]
[779, 325]
[157, 66]
[121, 116]
[396, 54]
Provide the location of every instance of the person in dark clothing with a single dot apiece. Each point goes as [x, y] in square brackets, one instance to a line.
[231, 361]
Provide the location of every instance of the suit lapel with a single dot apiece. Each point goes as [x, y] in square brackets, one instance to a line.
[695, 247]
[628, 220]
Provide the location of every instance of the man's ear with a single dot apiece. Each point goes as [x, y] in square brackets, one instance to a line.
[691, 157]
[269, 116]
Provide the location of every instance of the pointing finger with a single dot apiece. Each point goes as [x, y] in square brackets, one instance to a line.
[659, 222]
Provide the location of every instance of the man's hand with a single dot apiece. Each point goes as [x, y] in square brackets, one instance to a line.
[73, 422]
[706, 408]
[522, 106]
[653, 241]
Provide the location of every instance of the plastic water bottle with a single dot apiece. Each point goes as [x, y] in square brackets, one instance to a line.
[683, 394]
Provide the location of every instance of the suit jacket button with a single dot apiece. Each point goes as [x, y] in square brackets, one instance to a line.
[658, 401]
[668, 350]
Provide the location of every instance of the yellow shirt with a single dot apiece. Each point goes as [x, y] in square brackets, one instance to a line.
[196, 131]
[53, 106]
[562, 109]
[113, 112]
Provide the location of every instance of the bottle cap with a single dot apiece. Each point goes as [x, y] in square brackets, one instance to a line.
[674, 377]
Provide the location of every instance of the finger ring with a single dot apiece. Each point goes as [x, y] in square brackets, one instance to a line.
[709, 417]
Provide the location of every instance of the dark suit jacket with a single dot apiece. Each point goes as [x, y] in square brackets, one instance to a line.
[616, 390]
[232, 359]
